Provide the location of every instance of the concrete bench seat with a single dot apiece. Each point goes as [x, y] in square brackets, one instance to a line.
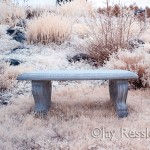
[42, 85]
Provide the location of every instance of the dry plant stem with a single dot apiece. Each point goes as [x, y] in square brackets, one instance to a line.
[109, 34]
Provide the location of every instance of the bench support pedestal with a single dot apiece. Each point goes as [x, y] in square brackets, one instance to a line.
[118, 93]
[41, 91]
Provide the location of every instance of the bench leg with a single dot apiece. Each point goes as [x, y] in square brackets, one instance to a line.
[41, 91]
[118, 90]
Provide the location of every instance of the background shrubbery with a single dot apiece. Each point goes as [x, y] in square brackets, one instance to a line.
[48, 28]
[8, 76]
[76, 9]
[109, 33]
[137, 61]
[56, 26]
[10, 12]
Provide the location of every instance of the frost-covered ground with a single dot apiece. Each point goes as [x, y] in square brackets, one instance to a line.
[37, 57]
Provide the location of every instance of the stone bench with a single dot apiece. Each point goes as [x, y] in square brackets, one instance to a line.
[42, 85]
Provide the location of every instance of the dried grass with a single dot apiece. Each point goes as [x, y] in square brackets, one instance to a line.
[37, 11]
[8, 75]
[48, 28]
[10, 13]
[76, 8]
[71, 120]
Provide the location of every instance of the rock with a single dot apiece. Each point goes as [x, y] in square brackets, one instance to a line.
[20, 37]
[139, 11]
[14, 62]
[83, 57]
[10, 31]
[17, 35]
[135, 43]
[3, 103]
[140, 41]
[22, 23]
[79, 57]
[62, 1]
[19, 47]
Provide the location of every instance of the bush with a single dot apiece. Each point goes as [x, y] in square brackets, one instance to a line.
[111, 10]
[10, 12]
[8, 75]
[37, 11]
[31, 13]
[48, 28]
[76, 8]
[137, 61]
[109, 34]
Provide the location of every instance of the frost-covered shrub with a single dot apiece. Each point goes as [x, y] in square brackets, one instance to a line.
[76, 8]
[137, 61]
[108, 34]
[10, 12]
[8, 75]
[48, 28]
[37, 11]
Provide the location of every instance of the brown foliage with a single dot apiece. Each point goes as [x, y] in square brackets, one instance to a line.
[111, 10]
[137, 61]
[116, 11]
[109, 34]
